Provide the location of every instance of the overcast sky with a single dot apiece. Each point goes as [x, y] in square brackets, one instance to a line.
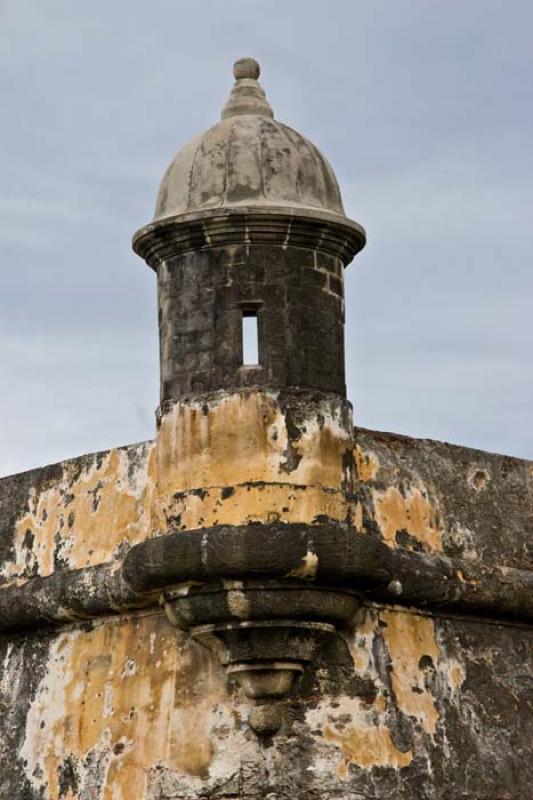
[425, 111]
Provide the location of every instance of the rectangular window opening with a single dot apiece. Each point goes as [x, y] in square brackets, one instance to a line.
[250, 339]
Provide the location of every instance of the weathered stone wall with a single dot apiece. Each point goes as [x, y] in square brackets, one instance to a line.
[410, 706]
[419, 699]
[75, 514]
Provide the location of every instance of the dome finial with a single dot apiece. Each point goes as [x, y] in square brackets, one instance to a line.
[247, 95]
[246, 68]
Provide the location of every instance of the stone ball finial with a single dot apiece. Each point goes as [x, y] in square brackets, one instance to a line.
[247, 96]
[246, 68]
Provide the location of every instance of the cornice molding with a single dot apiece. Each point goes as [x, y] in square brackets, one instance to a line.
[286, 227]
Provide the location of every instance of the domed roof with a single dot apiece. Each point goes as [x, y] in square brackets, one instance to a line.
[249, 159]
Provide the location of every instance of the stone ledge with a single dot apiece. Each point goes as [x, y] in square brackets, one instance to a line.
[339, 557]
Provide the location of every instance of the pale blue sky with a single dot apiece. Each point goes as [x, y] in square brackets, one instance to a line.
[425, 110]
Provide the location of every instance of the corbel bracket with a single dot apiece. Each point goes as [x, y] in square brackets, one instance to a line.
[265, 633]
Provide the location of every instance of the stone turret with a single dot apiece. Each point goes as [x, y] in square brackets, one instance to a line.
[249, 222]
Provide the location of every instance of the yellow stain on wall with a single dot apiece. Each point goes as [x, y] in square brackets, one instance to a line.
[413, 513]
[456, 675]
[243, 437]
[82, 520]
[360, 644]
[238, 505]
[360, 731]
[366, 465]
[129, 695]
[367, 747]
[412, 645]
[357, 516]
[417, 667]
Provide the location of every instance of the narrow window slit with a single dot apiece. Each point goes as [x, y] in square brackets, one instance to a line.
[250, 339]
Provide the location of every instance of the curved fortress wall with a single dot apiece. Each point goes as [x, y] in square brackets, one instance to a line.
[427, 701]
